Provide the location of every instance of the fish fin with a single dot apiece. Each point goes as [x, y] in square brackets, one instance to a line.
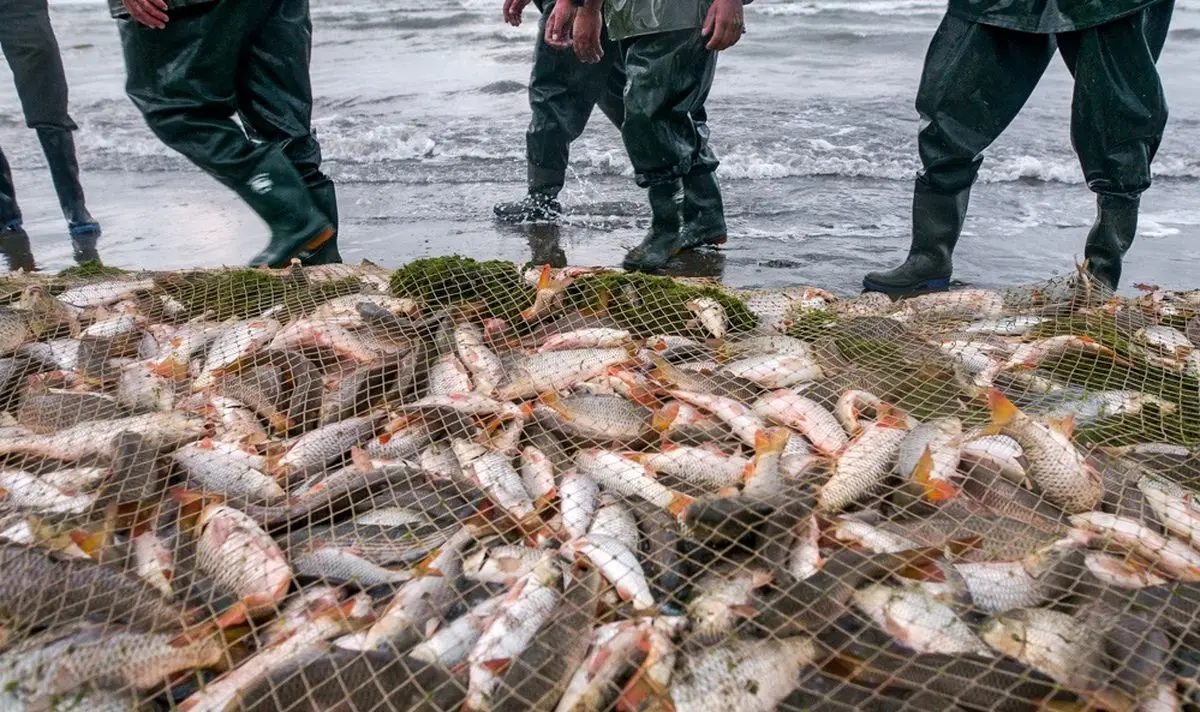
[748, 469]
[90, 543]
[1064, 425]
[664, 417]
[191, 505]
[744, 610]
[679, 503]
[425, 567]
[771, 441]
[895, 629]
[170, 368]
[663, 371]
[496, 666]
[935, 490]
[890, 416]
[553, 401]
[760, 578]
[728, 491]
[361, 460]
[431, 627]
[1003, 412]
[545, 278]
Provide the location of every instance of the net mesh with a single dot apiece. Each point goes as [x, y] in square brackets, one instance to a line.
[480, 485]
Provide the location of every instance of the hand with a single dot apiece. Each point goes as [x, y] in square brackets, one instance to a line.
[558, 25]
[724, 24]
[513, 10]
[151, 13]
[586, 35]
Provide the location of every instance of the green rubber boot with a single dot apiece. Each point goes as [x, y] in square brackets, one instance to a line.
[324, 197]
[1110, 237]
[662, 241]
[280, 198]
[937, 222]
[703, 212]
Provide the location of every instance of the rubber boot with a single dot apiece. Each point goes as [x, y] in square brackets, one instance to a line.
[14, 244]
[703, 212]
[1110, 237]
[324, 197]
[937, 222]
[662, 241]
[277, 194]
[541, 204]
[59, 147]
[10, 212]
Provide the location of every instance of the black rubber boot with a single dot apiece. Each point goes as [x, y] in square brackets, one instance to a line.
[324, 197]
[703, 212]
[277, 194]
[10, 212]
[937, 222]
[14, 244]
[1110, 237]
[541, 204]
[662, 241]
[59, 147]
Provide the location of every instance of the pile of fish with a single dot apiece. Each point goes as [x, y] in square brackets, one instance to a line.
[376, 503]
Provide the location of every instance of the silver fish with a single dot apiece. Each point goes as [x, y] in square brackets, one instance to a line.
[743, 675]
[237, 341]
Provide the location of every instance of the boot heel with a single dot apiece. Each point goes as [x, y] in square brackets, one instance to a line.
[321, 238]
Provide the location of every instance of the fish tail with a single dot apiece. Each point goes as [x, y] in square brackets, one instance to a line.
[935, 490]
[890, 416]
[664, 417]
[679, 504]
[771, 441]
[544, 278]
[1003, 412]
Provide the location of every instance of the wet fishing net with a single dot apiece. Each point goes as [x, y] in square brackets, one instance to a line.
[488, 486]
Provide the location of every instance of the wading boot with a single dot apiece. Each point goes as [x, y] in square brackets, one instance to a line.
[541, 204]
[276, 192]
[937, 223]
[14, 244]
[662, 241]
[1110, 237]
[324, 197]
[703, 212]
[59, 147]
[10, 212]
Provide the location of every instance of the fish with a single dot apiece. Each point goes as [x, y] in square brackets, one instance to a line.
[231, 345]
[593, 685]
[1120, 572]
[1005, 326]
[140, 389]
[1000, 452]
[763, 477]
[448, 375]
[105, 293]
[95, 438]
[598, 418]
[673, 347]
[704, 378]
[525, 610]
[400, 440]
[494, 473]
[227, 469]
[332, 337]
[438, 461]
[1173, 557]
[916, 619]
[322, 621]
[849, 407]
[594, 338]
[154, 561]
[1176, 506]
[618, 564]
[337, 565]
[741, 420]
[27, 491]
[451, 643]
[55, 410]
[862, 466]
[486, 369]
[556, 370]
[775, 370]
[804, 558]
[703, 467]
[743, 675]
[807, 417]
[578, 498]
[422, 600]
[465, 403]
[504, 564]
[615, 521]
[720, 599]
[58, 662]
[316, 449]
[537, 473]
[1055, 465]
[628, 477]
[710, 314]
[928, 459]
[242, 558]
[870, 538]
[765, 344]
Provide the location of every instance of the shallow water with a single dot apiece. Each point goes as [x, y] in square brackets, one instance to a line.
[422, 109]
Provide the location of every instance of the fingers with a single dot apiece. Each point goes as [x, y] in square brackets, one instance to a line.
[557, 34]
[512, 12]
[151, 13]
[725, 35]
[710, 20]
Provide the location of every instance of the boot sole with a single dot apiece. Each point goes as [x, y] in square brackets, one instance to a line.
[923, 287]
[311, 246]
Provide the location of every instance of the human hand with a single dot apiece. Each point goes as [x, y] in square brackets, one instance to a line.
[558, 25]
[724, 23]
[513, 10]
[586, 35]
[151, 13]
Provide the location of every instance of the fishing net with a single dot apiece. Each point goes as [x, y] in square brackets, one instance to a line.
[480, 485]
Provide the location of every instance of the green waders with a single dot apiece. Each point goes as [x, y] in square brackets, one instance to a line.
[977, 77]
[29, 45]
[562, 93]
[228, 57]
[666, 135]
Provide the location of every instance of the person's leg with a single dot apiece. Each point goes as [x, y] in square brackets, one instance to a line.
[669, 77]
[975, 80]
[1117, 121]
[562, 93]
[183, 79]
[29, 45]
[10, 212]
[274, 94]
